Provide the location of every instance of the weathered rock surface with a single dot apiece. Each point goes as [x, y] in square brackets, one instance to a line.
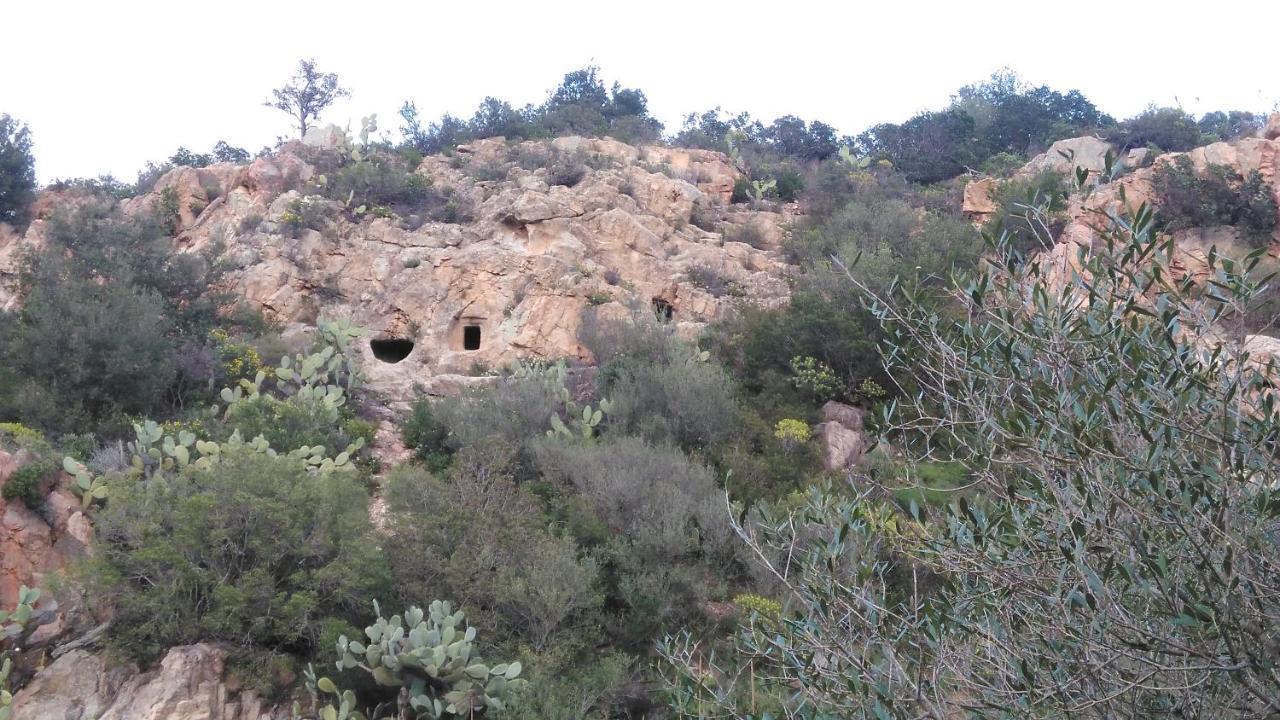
[1088, 216]
[841, 435]
[534, 257]
[187, 685]
[34, 545]
[1064, 156]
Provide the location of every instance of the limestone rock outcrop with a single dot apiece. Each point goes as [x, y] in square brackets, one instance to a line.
[1087, 216]
[188, 684]
[509, 278]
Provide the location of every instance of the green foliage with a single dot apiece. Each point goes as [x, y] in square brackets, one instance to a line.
[665, 515]
[1218, 196]
[253, 550]
[427, 436]
[128, 371]
[107, 284]
[478, 537]
[759, 344]
[750, 604]
[1001, 115]
[307, 94]
[382, 178]
[789, 186]
[15, 626]
[589, 690]
[792, 433]
[17, 170]
[660, 386]
[1017, 201]
[1110, 559]
[431, 656]
[24, 484]
[580, 105]
[310, 212]
[741, 190]
[816, 379]
[1166, 128]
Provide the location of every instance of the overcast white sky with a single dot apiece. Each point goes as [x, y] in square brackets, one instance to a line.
[106, 86]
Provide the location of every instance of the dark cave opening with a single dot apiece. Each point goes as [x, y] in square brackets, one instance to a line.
[471, 337]
[663, 309]
[391, 350]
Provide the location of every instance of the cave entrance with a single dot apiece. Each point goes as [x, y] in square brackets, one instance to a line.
[663, 309]
[471, 337]
[391, 350]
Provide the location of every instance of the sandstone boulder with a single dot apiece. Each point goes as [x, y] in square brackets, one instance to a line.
[1064, 156]
[1271, 131]
[842, 437]
[187, 685]
[842, 447]
[979, 203]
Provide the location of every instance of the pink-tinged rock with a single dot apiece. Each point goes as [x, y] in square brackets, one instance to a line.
[842, 447]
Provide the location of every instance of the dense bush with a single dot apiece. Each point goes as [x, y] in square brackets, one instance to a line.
[1015, 200]
[1118, 560]
[24, 484]
[255, 551]
[109, 287]
[383, 179]
[664, 530]
[17, 170]
[477, 537]
[296, 422]
[123, 360]
[1002, 115]
[580, 105]
[1168, 129]
[1233, 125]
[1187, 198]
[427, 436]
[685, 400]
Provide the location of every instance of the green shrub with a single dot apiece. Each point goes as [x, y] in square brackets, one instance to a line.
[254, 551]
[382, 179]
[789, 186]
[310, 212]
[290, 423]
[24, 484]
[129, 370]
[741, 190]
[665, 517]
[478, 537]
[1113, 580]
[17, 170]
[1029, 231]
[1218, 196]
[1166, 128]
[427, 436]
[686, 401]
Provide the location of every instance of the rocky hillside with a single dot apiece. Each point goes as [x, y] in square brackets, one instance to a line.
[508, 251]
[509, 275]
[1134, 186]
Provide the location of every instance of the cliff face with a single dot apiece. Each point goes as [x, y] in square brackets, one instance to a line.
[642, 227]
[1088, 215]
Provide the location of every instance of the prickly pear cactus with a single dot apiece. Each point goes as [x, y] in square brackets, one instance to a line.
[431, 656]
[14, 625]
[326, 376]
